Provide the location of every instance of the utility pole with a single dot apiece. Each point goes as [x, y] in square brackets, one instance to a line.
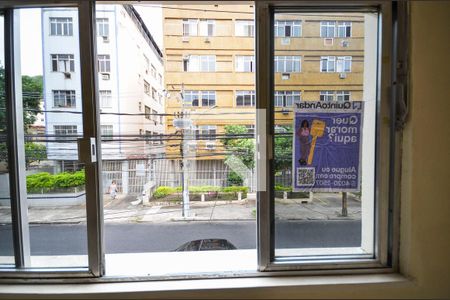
[183, 123]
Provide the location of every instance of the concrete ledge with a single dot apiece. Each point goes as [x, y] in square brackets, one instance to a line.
[45, 200]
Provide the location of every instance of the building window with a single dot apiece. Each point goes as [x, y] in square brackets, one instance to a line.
[327, 29]
[326, 95]
[287, 64]
[286, 98]
[333, 64]
[344, 64]
[153, 71]
[105, 99]
[250, 129]
[200, 63]
[244, 28]
[154, 93]
[208, 98]
[61, 26]
[288, 28]
[328, 64]
[65, 132]
[102, 27]
[206, 27]
[148, 137]
[191, 98]
[342, 95]
[106, 130]
[332, 29]
[160, 79]
[64, 98]
[245, 63]
[148, 113]
[63, 63]
[344, 29]
[190, 27]
[104, 63]
[155, 116]
[245, 98]
[206, 132]
[146, 87]
[146, 64]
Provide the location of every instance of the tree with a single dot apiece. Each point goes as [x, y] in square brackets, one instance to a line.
[31, 97]
[240, 147]
[283, 148]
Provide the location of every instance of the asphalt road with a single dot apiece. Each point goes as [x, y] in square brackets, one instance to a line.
[60, 239]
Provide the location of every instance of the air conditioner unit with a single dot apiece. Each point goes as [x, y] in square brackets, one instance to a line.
[192, 146]
[105, 39]
[285, 76]
[207, 40]
[345, 43]
[285, 41]
[185, 39]
[67, 75]
[342, 75]
[210, 145]
[328, 41]
[105, 76]
[285, 111]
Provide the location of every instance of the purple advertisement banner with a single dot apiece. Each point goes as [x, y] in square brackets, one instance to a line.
[327, 146]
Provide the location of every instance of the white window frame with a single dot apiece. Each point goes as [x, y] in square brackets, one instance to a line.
[206, 27]
[190, 27]
[244, 28]
[206, 132]
[248, 99]
[327, 96]
[105, 98]
[64, 63]
[346, 26]
[343, 64]
[244, 63]
[106, 130]
[104, 63]
[102, 27]
[343, 96]
[147, 87]
[64, 99]
[195, 63]
[60, 132]
[281, 28]
[61, 26]
[328, 64]
[327, 29]
[286, 61]
[286, 98]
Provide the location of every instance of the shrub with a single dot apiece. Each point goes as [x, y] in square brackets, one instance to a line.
[281, 188]
[234, 179]
[235, 189]
[46, 182]
[163, 191]
[204, 189]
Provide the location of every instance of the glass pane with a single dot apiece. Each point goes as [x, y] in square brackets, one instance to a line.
[6, 242]
[169, 184]
[52, 111]
[324, 151]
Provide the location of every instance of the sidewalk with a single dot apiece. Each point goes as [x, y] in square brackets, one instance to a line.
[125, 209]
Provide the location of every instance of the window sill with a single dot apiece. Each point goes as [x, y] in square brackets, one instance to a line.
[201, 287]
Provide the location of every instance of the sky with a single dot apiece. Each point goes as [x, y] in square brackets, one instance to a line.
[31, 39]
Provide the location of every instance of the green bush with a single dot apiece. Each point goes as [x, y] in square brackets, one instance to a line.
[163, 191]
[204, 189]
[234, 179]
[281, 188]
[46, 182]
[235, 189]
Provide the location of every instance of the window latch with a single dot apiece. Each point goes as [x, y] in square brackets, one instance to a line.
[87, 150]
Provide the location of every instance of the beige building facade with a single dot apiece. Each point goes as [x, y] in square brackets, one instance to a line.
[210, 66]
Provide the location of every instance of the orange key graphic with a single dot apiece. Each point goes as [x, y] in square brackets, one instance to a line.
[317, 130]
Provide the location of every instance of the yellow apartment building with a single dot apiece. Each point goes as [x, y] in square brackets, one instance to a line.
[209, 67]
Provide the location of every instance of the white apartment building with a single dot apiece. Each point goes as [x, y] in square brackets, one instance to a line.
[130, 81]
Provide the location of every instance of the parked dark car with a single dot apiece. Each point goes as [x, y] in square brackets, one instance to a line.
[207, 245]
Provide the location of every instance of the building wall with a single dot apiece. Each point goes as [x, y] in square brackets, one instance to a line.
[226, 46]
[126, 46]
